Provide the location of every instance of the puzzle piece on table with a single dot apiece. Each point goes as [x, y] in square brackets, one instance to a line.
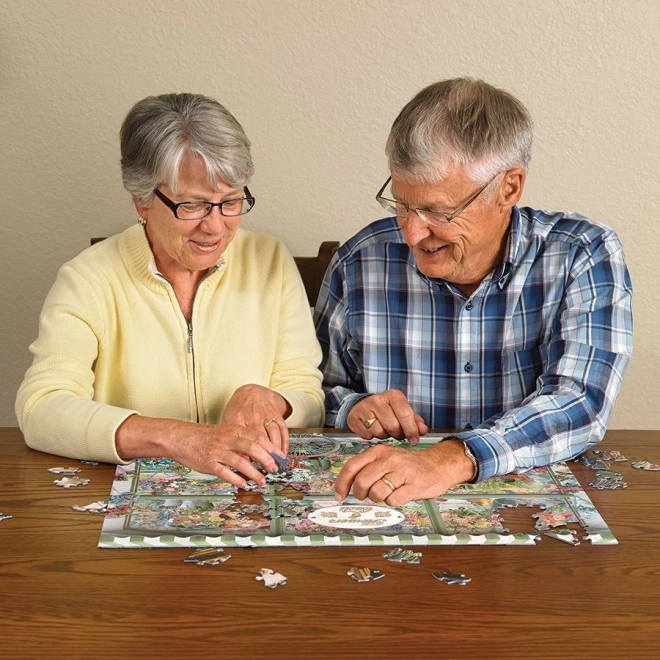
[566, 535]
[611, 455]
[593, 463]
[608, 484]
[452, 578]
[364, 574]
[71, 482]
[90, 462]
[609, 474]
[66, 472]
[400, 555]
[645, 465]
[271, 579]
[94, 507]
[208, 557]
[5, 516]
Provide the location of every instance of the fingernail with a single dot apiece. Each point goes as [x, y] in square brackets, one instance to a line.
[414, 441]
[338, 498]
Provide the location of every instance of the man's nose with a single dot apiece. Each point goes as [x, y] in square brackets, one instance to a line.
[414, 228]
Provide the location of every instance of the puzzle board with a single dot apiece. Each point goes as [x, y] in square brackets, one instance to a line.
[160, 503]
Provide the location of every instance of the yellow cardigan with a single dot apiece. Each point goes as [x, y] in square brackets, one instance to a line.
[113, 341]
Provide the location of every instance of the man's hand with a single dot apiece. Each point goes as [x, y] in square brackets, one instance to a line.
[387, 415]
[396, 476]
[260, 409]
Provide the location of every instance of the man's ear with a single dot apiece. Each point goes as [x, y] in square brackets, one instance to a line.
[512, 187]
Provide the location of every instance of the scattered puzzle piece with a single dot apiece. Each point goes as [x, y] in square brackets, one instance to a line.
[364, 574]
[94, 507]
[609, 474]
[593, 463]
[208, 557]
[90, 462]
[565, 535]
[645, 465]
[611, 455]
[452, 578]
[67, 472]
[400, 555]
[608, 484]
[5, 516]
[271, 579]
[71, 482]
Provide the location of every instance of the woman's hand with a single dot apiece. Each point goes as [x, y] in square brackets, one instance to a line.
[260, 409]
[225, 450]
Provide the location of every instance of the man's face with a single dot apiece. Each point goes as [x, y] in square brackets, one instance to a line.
[464, 251]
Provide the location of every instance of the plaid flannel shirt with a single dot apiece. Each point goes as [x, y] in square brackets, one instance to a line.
[529, 365]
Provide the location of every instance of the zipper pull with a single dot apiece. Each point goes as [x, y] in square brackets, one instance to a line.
[190, 344]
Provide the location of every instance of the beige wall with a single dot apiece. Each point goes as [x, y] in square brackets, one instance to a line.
[316, 86]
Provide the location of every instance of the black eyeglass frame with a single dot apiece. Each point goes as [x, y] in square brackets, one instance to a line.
[442, 218]
[174, 206]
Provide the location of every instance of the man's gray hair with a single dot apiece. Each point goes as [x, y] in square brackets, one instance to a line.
[459, 122]
[160, 131]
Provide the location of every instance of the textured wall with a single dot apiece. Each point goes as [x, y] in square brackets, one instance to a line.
[316, 86]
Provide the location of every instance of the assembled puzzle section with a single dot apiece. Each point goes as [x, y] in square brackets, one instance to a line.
[160, 503]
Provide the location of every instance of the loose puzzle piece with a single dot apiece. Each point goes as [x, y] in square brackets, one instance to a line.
[5, 516]
[90, 462]
[208, 557]
[452, 578]
[608, 484]
[67, 472]
[399, 555]
[611, 455]
[645, 465]
[271, 579]
[94, 507]
[71, 482]
[609, 474]
[566, 535]
[593, 463]
[364, 574]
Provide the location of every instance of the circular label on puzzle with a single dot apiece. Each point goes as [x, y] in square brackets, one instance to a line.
[356, 516]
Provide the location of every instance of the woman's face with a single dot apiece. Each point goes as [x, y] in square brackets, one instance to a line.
[189, 245]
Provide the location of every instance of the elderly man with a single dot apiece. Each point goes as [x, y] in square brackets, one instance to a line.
[465, 311]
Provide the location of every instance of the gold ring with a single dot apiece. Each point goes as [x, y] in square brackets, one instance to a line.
[387, 482]
[270, 421]
[370, 422]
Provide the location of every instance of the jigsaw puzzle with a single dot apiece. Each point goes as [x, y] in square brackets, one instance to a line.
[160, 503]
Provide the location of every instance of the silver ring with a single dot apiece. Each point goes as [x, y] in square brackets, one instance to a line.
[270, 421]
[370, 422]
[387, 482]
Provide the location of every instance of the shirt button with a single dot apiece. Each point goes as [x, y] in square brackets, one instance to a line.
[469, 305]
[468, 367]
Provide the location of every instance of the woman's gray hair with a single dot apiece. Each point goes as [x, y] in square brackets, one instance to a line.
[459, 122]
[160, 131]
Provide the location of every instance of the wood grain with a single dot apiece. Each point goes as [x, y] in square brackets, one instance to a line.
[61, 596]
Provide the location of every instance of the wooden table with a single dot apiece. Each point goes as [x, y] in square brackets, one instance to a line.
[62, 597]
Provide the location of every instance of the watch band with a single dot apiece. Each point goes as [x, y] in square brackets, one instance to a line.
[473, 460]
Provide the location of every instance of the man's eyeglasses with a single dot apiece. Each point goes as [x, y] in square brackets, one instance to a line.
[434, 218]
[199, 210]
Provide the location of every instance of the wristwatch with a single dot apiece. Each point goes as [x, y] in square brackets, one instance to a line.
[473, 460]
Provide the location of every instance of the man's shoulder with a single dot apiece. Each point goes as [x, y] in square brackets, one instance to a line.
[562, 226]
[373, 238]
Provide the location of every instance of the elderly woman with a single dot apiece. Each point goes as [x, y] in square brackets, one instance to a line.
[184, 336]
